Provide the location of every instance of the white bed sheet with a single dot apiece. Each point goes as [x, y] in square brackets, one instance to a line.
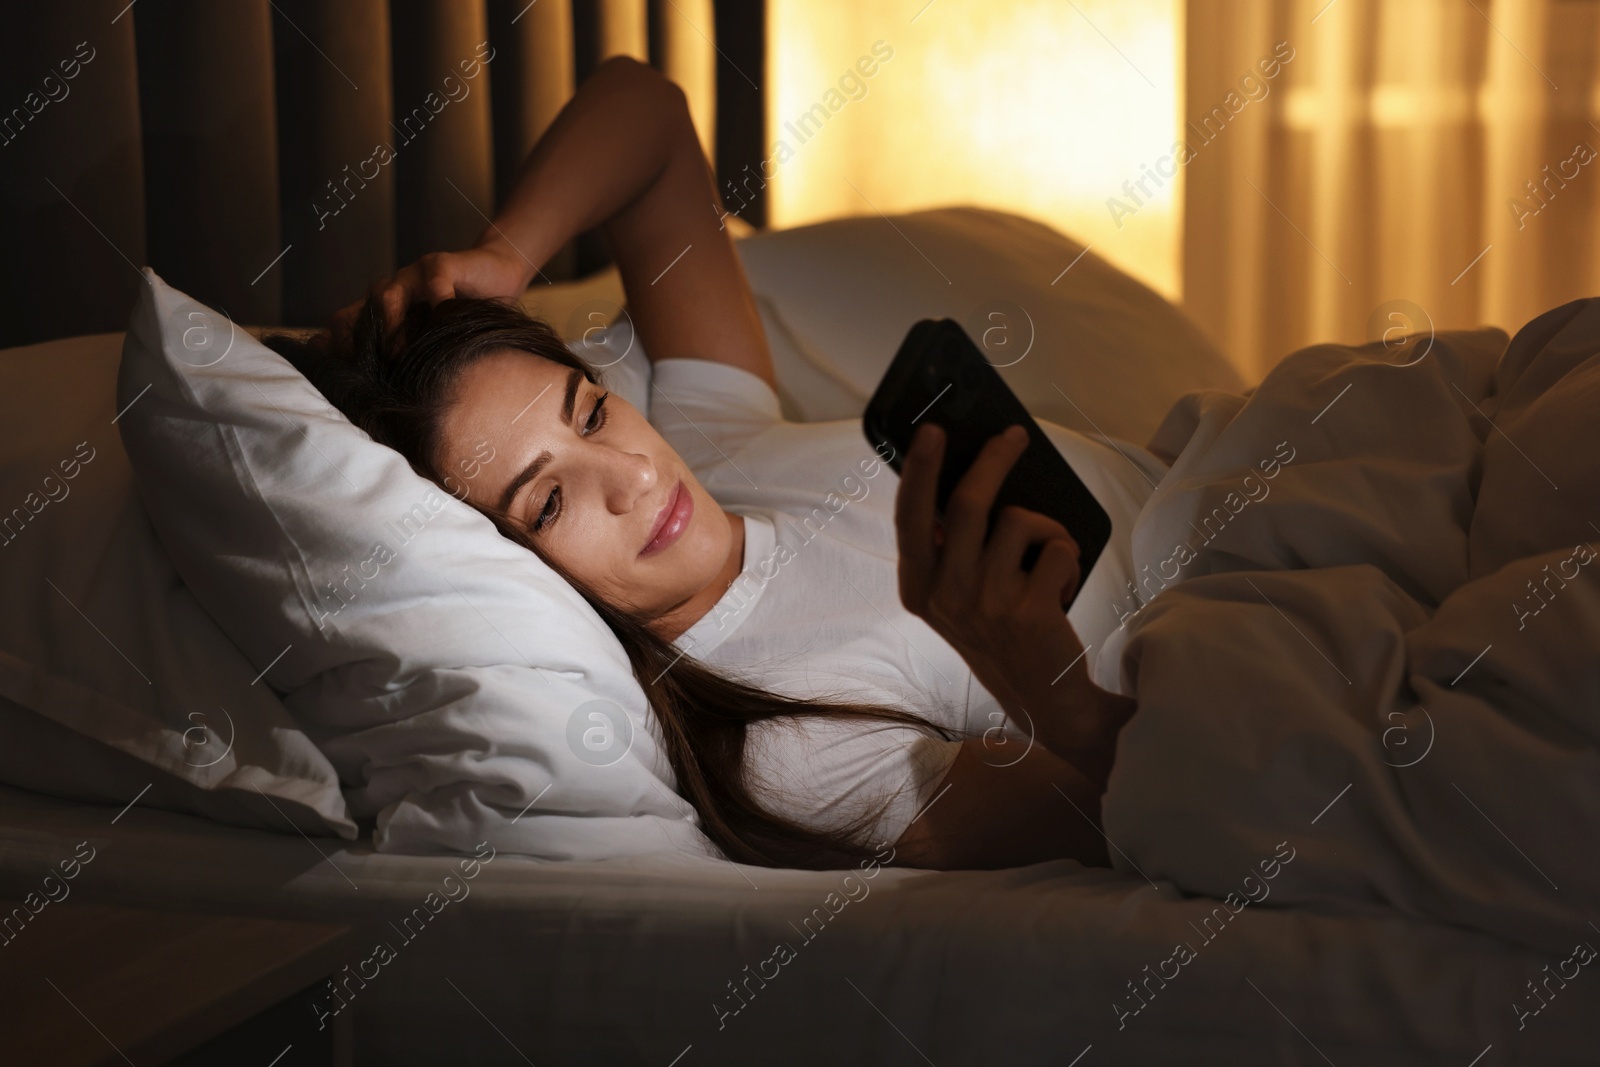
[622, 962]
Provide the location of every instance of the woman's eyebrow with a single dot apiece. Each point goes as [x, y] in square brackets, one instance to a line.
[573, 378]
[531, 471]
[526, 475]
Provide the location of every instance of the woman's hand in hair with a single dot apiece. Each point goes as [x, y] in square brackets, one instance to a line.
[1010, 625]
[493, 268]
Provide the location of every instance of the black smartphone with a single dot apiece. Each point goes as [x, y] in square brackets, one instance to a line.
[940, 376]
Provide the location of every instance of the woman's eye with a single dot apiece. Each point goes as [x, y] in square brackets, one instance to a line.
[598, 416]
[552, 506]
[548, 513]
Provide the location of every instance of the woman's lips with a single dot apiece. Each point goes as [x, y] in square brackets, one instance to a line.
[671, 522]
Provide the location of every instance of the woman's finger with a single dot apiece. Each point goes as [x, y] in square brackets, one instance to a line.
[437, 278]
[406, 287]
[915, 515]
[1055, 575]
[440, 288]
[1016, 529]
[394, 303]
[967, 511]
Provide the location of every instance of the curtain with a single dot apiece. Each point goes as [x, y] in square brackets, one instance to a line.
[1356, 169]
[234, 146]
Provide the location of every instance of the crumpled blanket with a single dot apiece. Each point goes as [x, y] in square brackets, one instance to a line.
[1366, 634]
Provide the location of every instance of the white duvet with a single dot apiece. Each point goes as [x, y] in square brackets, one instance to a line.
[1369, 635]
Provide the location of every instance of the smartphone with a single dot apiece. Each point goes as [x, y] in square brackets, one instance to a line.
[940, 376]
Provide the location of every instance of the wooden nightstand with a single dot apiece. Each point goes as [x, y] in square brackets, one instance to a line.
[88, 984]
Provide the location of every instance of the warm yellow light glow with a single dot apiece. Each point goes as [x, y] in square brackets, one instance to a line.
[1040, 107]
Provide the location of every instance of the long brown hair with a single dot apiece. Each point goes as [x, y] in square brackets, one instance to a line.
[396, 384]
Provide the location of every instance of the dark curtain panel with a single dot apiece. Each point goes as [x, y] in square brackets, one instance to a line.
[741, 101]
[535, 75]
[332, 62]
[443, 65]
[211, 151]
[275, 157]
[72, 224]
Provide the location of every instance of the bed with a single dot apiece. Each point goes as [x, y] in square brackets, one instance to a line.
[670, 958]
[659, 959]
[629, 962]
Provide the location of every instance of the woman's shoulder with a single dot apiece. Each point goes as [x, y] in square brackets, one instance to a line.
[818, 473]
[714, 392]
[728, 426]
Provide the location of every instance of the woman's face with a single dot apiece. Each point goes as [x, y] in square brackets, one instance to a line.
[593, 484]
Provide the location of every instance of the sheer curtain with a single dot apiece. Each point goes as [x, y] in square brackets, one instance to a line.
[1409, 165]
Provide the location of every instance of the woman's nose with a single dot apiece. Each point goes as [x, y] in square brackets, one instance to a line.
[627, 478]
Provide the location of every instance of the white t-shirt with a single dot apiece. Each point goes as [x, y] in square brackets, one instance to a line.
[816, 611]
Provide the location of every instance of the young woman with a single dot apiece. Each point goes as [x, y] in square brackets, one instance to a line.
[816, 660]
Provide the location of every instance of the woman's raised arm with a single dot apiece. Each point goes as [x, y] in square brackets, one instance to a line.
[622, 155]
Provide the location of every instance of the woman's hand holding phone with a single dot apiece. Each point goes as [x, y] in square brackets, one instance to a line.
[1008, 624]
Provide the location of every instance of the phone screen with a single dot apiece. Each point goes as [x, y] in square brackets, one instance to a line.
[940, 376]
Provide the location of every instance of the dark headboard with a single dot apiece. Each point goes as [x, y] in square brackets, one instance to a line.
[231, 145]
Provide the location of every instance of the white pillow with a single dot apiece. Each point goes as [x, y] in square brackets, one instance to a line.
[1080, 342]
[463, 691]
[114, 683]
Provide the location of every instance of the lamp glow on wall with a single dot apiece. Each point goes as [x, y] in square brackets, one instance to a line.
[1039, 107]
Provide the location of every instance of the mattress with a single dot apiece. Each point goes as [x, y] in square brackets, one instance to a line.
[671, 960]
